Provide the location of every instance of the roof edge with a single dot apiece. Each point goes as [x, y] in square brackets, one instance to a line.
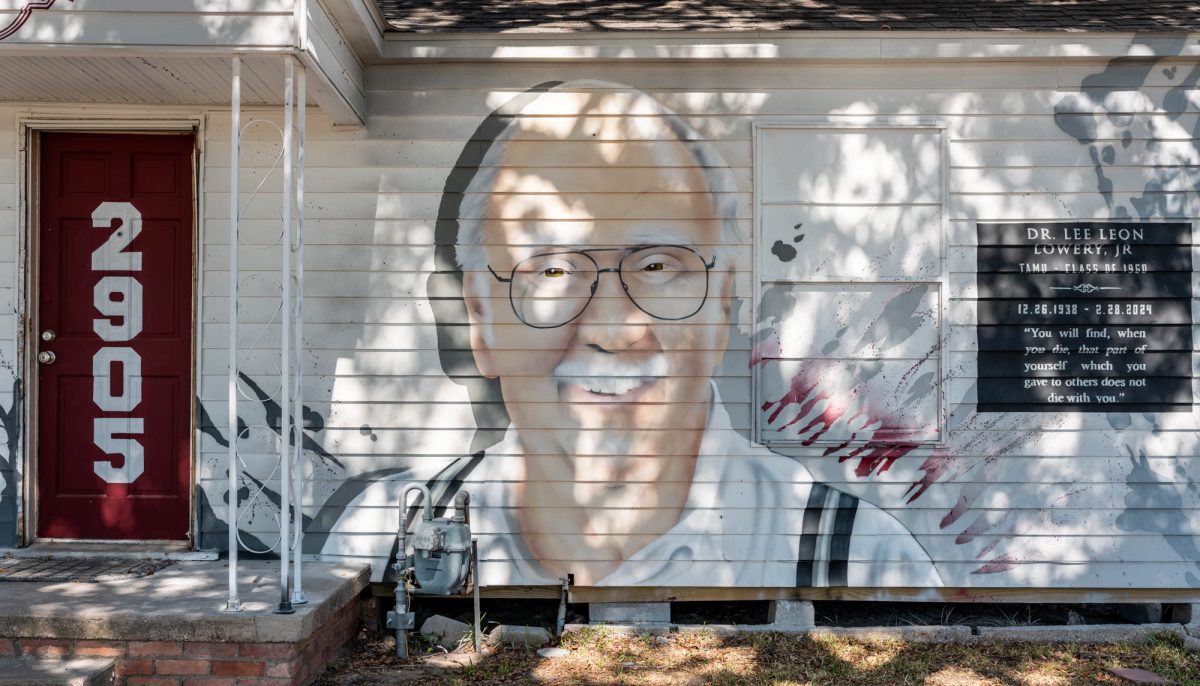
[788, 45]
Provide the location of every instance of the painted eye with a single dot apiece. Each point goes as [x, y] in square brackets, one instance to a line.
[554, 272]
[654, 267]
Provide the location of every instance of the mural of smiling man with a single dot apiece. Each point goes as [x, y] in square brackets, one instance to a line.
[603, 326]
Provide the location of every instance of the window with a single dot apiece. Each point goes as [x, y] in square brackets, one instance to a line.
[850, 276]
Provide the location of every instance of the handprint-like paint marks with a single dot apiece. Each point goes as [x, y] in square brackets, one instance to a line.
[877, 430]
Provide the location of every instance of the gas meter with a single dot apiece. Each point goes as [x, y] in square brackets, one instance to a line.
[441, 558]
[440, 563]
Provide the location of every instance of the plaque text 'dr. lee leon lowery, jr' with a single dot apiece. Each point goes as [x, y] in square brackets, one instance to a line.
[1084, 316]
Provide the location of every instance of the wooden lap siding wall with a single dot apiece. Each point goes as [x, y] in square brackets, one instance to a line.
[374, 381]
[375, 374]
[10, 491]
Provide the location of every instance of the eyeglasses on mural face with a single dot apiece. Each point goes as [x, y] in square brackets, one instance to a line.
[551, 289]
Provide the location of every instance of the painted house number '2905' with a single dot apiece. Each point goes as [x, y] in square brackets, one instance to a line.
[119, 298]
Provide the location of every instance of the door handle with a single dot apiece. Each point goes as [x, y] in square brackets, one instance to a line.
[46, 357]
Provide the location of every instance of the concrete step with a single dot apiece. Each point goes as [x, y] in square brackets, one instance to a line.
[16, 671]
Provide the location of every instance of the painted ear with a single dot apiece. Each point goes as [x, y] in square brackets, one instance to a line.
[479, 314]
[722, 341]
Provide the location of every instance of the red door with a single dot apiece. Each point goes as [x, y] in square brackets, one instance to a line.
[115, 336]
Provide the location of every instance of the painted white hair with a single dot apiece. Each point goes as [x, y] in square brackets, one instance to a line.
[469, 249]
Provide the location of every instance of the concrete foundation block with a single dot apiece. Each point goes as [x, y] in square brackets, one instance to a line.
[1092, 633]
[446, 632]
[912, 634]
[792, 614]
[519, 636]
[661, 629]
[629, 613]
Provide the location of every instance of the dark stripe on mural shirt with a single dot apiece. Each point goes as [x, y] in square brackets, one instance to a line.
[839, 547]
[806, 557]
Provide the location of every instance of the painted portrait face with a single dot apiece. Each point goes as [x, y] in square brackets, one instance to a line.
[606, 307]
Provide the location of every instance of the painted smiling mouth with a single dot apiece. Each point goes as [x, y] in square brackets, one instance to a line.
[610, 379]
[609, 385]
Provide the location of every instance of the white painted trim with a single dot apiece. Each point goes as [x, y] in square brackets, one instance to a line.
[43, 123]
[115, 50]
[362, 24]
[68, 118]
[198, 181]
[300, 27]
[340, 88]
[822, 46]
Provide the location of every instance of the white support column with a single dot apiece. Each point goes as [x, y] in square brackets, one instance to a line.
[234, 603]
[285, 417]
[298, 596]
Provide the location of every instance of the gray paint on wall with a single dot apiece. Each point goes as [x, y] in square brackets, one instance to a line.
[1156, 506]
[213, 533]
[898, 321]
[1152, 504]
[10, 422]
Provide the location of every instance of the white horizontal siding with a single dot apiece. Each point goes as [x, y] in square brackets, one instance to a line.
[10, 471]
[1051, 488]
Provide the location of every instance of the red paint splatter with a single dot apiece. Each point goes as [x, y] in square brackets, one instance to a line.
[988, 548]
[840, 447]
[977, 527]
[825, 420]
[801, 392]
[879, 455]
[1002, 563]
[932, 469]
[874, 456]
[959, 510]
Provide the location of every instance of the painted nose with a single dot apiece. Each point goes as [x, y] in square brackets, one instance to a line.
[612, 322]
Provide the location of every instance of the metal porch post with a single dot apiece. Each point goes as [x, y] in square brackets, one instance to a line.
[298, 596]
[285, 418]
[234, 603]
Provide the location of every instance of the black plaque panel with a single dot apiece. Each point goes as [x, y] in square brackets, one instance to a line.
[1085, 317]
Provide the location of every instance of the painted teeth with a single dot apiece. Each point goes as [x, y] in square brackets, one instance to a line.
[609, 385]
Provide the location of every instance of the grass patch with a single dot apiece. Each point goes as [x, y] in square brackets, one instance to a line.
[599, 656]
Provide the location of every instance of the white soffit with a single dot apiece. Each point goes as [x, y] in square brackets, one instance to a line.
[159, 80]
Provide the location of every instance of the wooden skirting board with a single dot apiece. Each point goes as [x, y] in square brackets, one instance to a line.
[600, 594]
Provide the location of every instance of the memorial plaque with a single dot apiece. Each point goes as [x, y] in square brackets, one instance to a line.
[1085, 317]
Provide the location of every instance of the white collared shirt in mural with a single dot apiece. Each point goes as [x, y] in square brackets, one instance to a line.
[752, 518]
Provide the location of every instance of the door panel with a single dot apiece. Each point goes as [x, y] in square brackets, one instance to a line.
[115, 287]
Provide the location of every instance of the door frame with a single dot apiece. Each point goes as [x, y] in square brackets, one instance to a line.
[30, 126]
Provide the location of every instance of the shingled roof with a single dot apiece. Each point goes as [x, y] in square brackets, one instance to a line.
[559, 16]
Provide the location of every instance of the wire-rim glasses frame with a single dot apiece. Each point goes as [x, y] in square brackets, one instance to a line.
[619, 270]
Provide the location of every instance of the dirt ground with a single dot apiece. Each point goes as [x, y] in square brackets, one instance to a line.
[598, 656]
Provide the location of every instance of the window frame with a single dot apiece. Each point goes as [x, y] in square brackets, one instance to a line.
[940, 282]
